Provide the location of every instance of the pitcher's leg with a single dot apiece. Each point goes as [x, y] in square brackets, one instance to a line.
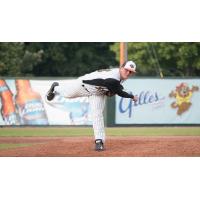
[71, 89]
[65, 89]
[97, 104]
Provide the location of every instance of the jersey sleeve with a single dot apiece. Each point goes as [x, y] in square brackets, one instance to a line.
[97, 82]
[111, 84]
[115, 87]
[124, 94]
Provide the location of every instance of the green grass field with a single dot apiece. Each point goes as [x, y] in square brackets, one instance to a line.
[117, 131]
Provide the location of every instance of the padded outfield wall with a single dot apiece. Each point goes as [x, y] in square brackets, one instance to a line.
[23, 103]
[161, 101]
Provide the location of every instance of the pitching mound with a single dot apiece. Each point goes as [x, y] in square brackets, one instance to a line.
[115, 146]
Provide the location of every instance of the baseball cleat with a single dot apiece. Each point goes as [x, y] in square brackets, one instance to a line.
[50, 93]
[99, 145]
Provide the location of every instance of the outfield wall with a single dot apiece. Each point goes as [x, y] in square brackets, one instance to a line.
[23, 103]
[161, 101]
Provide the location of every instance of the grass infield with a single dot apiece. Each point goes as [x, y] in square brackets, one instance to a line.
[119, 131]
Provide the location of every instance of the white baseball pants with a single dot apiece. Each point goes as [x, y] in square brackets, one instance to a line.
[73, 89]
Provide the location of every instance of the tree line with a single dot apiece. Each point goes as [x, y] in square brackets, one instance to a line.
[34, 59]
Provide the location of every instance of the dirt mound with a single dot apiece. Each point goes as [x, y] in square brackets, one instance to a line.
[115, 146]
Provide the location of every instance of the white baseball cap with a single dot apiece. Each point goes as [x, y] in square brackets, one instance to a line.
[130, 65]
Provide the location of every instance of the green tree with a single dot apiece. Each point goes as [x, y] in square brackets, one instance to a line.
[170, 59]
[71, 59]
[15, 60]
[77, 58]
[54, 59]
[10, 59]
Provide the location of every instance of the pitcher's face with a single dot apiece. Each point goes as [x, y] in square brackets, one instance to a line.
[125, 73]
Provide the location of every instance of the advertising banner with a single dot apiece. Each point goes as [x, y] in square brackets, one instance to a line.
[22, 102]
[161, 101]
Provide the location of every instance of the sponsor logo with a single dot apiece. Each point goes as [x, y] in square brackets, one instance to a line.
[144, 98]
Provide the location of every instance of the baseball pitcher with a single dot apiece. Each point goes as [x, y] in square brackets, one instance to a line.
[96, 86]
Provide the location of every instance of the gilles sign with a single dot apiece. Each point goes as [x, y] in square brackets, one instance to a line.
[144, 98]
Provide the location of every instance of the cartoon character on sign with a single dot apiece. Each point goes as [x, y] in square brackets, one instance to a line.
[183, 96]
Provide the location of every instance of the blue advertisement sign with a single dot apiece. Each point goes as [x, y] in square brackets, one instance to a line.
[22, 102]
[160, 101]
